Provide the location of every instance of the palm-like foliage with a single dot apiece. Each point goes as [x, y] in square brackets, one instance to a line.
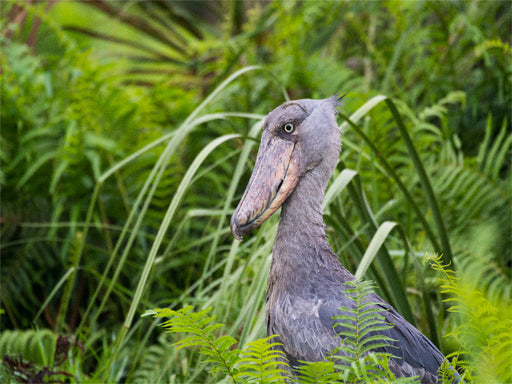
[160, 41]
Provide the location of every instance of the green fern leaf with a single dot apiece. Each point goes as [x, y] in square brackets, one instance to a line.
[201, 328]
[355, 358]
[483, 328]
[318, 372]
[260, 362]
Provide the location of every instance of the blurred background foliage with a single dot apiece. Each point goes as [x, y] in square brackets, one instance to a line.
[101, 98]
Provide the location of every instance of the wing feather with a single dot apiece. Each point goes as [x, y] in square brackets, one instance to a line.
[414, 354]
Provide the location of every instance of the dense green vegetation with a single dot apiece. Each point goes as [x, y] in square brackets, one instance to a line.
[128, 133]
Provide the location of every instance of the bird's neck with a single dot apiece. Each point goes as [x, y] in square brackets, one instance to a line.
[301, 213]
[301, 242]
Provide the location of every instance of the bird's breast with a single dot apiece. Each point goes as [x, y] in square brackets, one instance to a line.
[296, 319]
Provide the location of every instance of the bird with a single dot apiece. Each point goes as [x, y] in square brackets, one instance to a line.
[306, 286]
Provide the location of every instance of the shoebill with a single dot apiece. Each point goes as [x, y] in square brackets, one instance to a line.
[298, 152]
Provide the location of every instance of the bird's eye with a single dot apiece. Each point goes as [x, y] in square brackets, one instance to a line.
[288, 127]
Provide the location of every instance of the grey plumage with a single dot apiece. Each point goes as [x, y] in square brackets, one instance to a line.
[306, 282]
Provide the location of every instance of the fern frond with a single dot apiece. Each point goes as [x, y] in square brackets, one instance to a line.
[483, 328]
[201, 329]
[447, 372]
[356, 359]
[318, 372]
[36, 346]
[361, 323]
[260, 362]
[492, 156]
[373, 368]
[155, 363]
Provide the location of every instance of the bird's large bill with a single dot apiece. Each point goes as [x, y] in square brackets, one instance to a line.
[273, 179]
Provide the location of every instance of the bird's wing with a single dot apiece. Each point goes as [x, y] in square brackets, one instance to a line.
[413, 353]
[304, 335]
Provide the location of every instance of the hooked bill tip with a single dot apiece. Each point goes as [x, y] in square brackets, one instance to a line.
[235, 228]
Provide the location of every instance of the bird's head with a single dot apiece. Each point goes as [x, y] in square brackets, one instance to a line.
[298, 137]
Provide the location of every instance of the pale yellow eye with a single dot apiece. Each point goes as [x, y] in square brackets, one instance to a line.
[288, 127]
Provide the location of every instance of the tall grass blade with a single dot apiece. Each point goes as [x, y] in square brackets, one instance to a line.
[427, 186]
[385, 269]
[338, 185]
[378, 239]
[185, 183]
[239, 169]
[390, 172]
[53, 292]
[153, 179]
[362, 112]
